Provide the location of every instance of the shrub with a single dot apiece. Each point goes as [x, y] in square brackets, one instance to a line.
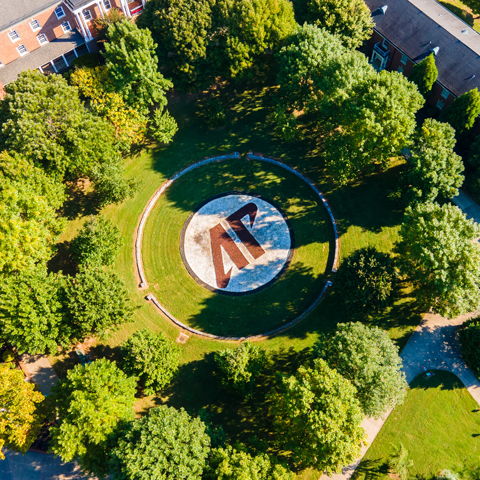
[367, 279]
[400, 463]
[151, 357]
[470, 344]
[216, 116]
[286, 124]
[448, 475]
[239, 367]
[8, 356]
[89, 60]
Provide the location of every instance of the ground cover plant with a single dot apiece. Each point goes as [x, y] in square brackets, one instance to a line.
[437, 425]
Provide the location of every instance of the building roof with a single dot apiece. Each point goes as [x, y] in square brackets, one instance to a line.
[41, 56]
[76, 4]
[417, 26]
[16, 11]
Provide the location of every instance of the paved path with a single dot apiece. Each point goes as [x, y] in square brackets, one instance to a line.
[40, 371]
[469, 207]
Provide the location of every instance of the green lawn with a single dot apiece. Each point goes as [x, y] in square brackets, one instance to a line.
[366, 215]
[439, 424]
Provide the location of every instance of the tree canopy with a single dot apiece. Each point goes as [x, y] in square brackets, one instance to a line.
[470, 344]
[350, 20]
[97, 243]
[434, 169]
[151, 357]
[424, 74]
[91, 403]
[437, 253]
[369, 359]
[165, 444]
[463, 112]
[317, 418]
[20, 415]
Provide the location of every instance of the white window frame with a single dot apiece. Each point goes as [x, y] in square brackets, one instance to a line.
[440, 104]
[20, 48]
[404, 59]
[35, 28]
[87, 14]
[16, 34]
[445, 93]
[62, 10]
[107, 4]
[63, 26]
[42, 35]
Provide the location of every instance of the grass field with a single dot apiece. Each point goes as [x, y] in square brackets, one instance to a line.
[365, 213]
[439, 424]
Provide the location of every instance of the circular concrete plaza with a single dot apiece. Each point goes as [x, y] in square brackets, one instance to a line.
[235, 248]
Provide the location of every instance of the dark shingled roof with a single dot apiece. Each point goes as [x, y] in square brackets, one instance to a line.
[40, 56]
[417, 26]
[14, 12]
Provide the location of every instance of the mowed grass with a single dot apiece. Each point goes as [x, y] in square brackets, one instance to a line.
[284, 300]
[439, 425]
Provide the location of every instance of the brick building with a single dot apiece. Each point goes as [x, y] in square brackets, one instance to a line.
[407, 31]
[49, 34]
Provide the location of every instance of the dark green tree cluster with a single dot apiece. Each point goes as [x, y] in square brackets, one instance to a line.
[424, 74]
[463, 112]
[470, 344]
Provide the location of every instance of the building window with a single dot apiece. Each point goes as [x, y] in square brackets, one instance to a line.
[385, 43]
[440, 104]
[14, 36]
[66, 27]
[107, 4]
[87, 14]
[400, 69]
[42, 39]
[404, 59]
[445, 93]
[22, 49]
[35, 25]
[59, 12]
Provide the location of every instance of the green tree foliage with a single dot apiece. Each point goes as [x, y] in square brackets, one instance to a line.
[434, 168]
[66, 139]
[234, 463]
[400, 463]
[369, 359]
[249, 28]
[165, 444]
[97, 243]
[375, 124]
[350, 20]
[424, 74]
[90, 403]
[102, 23]
[162, 126]
[181, 30]
[28, 221]
[470, 344]
[151, 357]
[20, 417]
[317, 418]
[463, 111]
[437, 253]
[473, 180]
[32, 310]
[97, 303]
[133, 66]
[367, 279]
[239, 367]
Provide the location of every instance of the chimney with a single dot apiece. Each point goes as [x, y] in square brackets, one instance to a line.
[435, 50]
[384, 9]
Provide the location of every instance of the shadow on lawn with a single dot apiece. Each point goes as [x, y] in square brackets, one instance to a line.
[371, 469]
[440, 379]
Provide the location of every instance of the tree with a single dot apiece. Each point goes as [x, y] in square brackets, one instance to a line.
[317, 418]
[32, 310]
[463, 111]
[434, 169]
[369, 359]
[91, 404]
[65, 139]
[437, 253]
[97, 243]
[28, 219]
[102, 24]
[470, 344]
[133, 66]
[20, 417]
[182, 32]
[350, 20]
[238, 368]
[400, 463]
[97, 303]
[151, 357]
[234, 463]
[165, 444]
[367, 279]
[424, 74]
[249, 28]
[375, 124]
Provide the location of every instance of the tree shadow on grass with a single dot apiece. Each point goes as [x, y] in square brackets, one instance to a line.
[440, 379]
[371, 469]
[63, 260]
[459, 12]
[81, 200]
